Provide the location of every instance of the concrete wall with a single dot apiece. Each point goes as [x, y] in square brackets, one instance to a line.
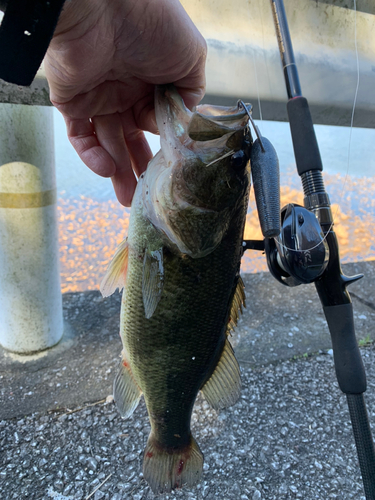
[243, 59]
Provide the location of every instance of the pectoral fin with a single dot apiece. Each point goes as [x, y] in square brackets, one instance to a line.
[126, 392]
[152, 280]
[115, 277]
[223, 388]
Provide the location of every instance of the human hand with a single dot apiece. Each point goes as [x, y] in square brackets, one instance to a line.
[102, 66]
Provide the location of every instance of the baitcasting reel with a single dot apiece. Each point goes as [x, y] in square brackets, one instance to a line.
[300, 253]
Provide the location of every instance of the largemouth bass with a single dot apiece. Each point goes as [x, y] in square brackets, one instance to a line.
[179, 268]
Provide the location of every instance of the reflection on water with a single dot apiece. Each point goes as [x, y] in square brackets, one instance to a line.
[89, 233]
[90, 230]
[354, 219]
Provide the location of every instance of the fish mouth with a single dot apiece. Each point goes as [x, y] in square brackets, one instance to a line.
[201, 176]
[207, 122]
[212, 122]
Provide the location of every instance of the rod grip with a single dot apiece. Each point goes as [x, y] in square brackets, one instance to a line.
[349, 367]
[305, 145]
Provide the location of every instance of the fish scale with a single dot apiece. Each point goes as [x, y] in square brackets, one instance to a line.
[173, 336]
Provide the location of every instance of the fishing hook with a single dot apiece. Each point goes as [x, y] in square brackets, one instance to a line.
[256, 129]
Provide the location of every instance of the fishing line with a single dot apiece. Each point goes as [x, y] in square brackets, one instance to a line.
[357, 86]
[265, 60]
[220, 158]
[334, 216]
[257, 86]
[255, 127]
[256, 72]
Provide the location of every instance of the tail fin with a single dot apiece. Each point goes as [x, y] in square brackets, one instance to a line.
[167, 469]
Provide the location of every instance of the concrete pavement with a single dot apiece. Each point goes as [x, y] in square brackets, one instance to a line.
[288, 437]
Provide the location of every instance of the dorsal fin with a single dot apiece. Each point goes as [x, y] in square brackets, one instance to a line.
[115, 276]
[238, 302]
[223, 388]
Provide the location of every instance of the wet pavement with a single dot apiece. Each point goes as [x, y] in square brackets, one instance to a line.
[288, 437]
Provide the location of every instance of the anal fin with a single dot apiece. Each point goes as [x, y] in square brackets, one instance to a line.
[126, 392]
[223, 388]
[167, 469]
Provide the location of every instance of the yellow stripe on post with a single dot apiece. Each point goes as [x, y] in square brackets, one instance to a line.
[28, 200]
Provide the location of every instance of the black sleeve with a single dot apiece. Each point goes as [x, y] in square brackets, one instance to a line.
[25, 33]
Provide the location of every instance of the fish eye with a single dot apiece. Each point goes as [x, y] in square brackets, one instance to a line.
[239, 160]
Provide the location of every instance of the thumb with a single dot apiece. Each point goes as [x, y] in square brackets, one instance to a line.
[193, 86]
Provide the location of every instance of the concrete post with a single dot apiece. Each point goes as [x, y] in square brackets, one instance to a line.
[30, 294]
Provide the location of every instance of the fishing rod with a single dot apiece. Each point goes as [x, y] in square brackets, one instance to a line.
[306, 250]
[301, 245]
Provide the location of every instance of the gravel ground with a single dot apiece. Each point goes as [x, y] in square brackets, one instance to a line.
[288, 437]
